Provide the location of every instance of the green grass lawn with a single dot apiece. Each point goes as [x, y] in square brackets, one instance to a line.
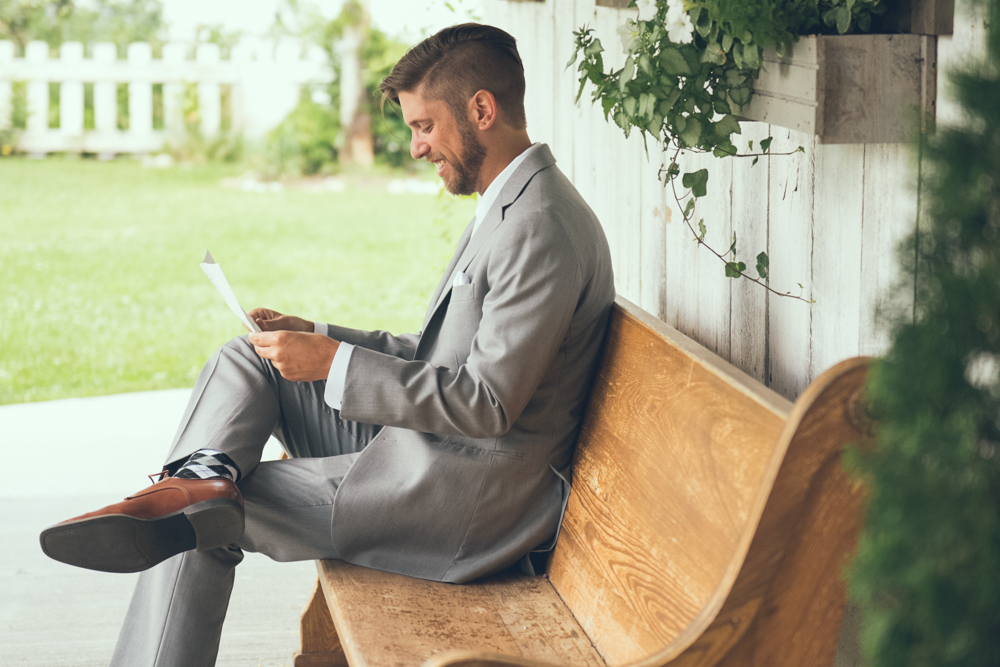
[101, 292]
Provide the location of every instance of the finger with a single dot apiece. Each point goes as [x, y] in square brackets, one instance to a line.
[263, 338]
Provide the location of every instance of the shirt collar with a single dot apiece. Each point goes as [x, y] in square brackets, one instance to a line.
[493, 190]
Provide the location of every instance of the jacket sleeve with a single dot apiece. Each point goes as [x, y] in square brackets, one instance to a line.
[403, 346]
[534, 277]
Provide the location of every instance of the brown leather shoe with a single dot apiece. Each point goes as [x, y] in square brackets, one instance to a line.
[169, 517]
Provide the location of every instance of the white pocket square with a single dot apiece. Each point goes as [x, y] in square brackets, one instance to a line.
[461, 279]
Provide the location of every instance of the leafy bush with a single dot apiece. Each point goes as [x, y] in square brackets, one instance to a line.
[305, 142]
[57, 21]
[18, 119]
[927, 575]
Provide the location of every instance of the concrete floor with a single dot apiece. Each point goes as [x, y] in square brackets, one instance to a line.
[63, 458]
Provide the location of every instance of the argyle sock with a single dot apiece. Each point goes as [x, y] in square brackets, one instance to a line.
[206, 463]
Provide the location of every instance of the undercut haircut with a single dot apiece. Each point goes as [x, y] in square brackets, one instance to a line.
[455, 63]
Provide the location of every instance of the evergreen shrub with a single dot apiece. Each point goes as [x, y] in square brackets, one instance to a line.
[927, 574]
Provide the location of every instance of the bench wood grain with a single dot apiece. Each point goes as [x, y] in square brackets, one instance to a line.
[709, 523]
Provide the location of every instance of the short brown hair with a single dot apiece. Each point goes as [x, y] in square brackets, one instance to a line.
[458, 61]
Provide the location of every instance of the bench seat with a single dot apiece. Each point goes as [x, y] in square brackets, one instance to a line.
[709, 523]
[385, 620]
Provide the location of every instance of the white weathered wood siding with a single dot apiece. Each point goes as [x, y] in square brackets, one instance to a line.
[829, 218]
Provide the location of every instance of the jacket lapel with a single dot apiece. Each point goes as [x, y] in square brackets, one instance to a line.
[463, 243]
[540, 158]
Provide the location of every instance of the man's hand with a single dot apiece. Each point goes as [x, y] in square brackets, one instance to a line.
[272, 320]
[300, 357]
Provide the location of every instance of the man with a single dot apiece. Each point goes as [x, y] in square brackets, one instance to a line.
[465, 472]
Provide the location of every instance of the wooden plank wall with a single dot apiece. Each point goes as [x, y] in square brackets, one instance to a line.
[829, 218]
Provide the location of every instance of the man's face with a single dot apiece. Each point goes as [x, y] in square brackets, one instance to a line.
[449, 142]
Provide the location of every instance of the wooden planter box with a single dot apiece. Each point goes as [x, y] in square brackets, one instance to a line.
[855, 89]
[850, 89]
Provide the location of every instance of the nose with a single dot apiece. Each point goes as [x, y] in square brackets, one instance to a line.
[418, 147]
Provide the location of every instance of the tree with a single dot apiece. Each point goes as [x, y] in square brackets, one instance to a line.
[927, 575]
[20, 19]
[361, 56]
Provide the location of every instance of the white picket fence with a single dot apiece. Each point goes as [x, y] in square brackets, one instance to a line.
[265, 82]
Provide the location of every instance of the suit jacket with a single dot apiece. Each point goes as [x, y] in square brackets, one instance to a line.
[482, 409]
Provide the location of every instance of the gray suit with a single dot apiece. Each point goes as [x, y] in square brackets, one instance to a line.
[449, 457]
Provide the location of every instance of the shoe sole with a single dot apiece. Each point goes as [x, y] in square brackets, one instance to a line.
[122, 543]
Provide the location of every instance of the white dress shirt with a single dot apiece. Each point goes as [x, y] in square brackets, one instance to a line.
[337, 377]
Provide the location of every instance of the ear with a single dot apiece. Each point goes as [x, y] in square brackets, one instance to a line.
[483, 112]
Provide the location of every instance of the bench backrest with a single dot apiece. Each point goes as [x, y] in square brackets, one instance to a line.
[670, 477]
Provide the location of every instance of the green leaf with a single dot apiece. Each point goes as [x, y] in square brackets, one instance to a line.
[722, 106]
[751, 56]
[865, 22]
[646, 102]
[704, 24]
[762, 263]
[673, 62]
[691, 135]
[697, 181]
[738, 55]
[727, 42]
[594, 48]
[727, 125]
[701, 230]
[765, 144]
[750, 145]
[740, 96]
[843, 19]
[608, 103]
[573, 58]
[724, 149]
[655, 125]
[668, 104]
[627, 73]
[689, 207]
[693, 58]
[800, 149]
[735, 269]
[732, 247]
[631, 106]
[830, 17]
[754, 161]
[645, 64]
[714, 54]
[734, 78]
[673, 169]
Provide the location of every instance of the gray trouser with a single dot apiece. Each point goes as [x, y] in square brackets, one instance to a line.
[178, 607]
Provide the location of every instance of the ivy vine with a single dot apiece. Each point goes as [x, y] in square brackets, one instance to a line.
[690, 67]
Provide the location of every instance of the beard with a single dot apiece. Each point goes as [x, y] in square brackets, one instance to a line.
[466, 172]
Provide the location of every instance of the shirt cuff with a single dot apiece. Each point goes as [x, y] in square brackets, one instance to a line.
[337, 378]
[322, 328]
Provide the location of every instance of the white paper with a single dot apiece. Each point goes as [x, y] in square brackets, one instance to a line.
[218, 278]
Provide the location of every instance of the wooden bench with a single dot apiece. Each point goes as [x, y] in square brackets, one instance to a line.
[709, 524]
